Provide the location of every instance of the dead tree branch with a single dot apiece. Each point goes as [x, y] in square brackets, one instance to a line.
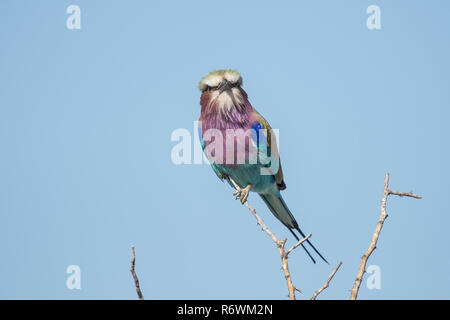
[133, 273]
[373, 243]
[280, 246]
[327, 283]
[297, 244]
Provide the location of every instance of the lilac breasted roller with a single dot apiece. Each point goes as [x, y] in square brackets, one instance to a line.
[240, 144]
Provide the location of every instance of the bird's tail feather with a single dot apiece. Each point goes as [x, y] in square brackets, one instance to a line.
[281, 211]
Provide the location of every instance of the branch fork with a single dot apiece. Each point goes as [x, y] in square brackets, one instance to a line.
[373, 244]
[280, 244]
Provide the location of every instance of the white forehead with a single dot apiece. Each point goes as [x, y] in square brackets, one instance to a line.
[214, 78]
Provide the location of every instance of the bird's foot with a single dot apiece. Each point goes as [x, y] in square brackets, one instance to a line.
[242, 194]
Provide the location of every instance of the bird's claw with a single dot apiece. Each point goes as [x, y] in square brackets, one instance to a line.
[242, 194]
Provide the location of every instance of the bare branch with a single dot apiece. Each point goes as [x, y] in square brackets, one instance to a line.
[262, 224]
[297, 244]
[280, 246]
[133, 273]
[373, 243]
[327, 283]
[404, 194]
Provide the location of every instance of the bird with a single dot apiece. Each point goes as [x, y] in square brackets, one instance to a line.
[240, 146]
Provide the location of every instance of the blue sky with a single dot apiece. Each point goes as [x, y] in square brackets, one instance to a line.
[86, 118]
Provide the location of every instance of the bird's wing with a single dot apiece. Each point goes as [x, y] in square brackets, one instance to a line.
[267, 144]
[203, 144]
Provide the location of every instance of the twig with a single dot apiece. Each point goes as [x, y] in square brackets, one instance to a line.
[298, 243]
[133, 273]
[373, 243]
[280, 246]
[326, 283]
[405, 194]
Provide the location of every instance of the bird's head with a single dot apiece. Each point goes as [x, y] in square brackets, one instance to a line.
[220, 80]
[222, 88]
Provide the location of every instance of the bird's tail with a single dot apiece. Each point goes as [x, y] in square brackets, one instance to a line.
[281, 211]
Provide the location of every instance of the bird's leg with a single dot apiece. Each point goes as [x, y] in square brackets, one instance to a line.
[242, 194]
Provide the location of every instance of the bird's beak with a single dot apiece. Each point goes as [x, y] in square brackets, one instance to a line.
[224, 86]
